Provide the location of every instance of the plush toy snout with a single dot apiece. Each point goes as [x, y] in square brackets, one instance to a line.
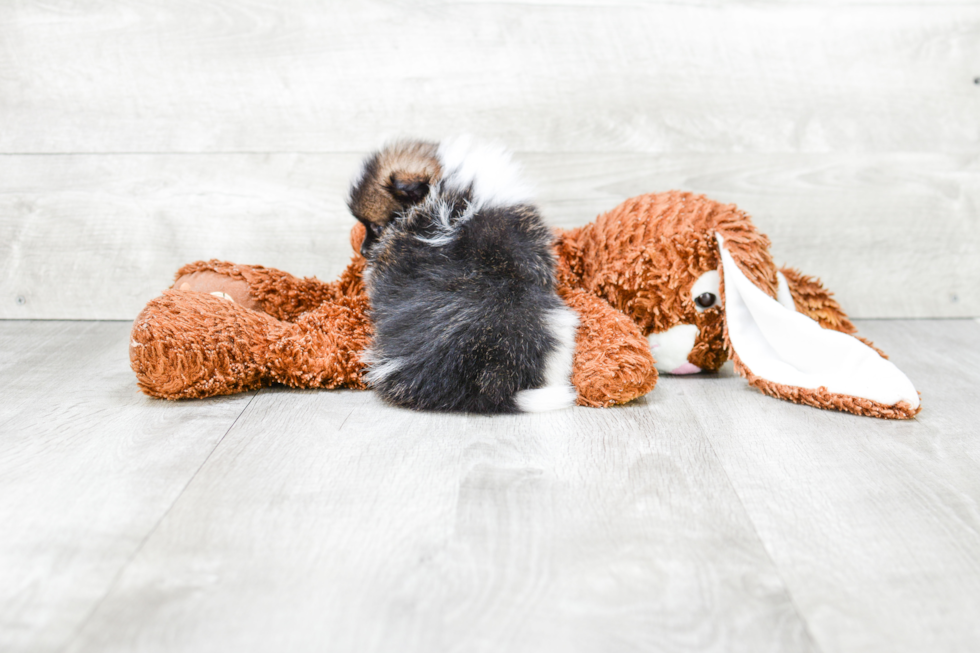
[672, 348]
[698, 345]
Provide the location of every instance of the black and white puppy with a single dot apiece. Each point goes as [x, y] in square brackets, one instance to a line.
[461, 278]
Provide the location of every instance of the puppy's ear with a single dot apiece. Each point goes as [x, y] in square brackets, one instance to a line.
[407, 191]
[788, 355]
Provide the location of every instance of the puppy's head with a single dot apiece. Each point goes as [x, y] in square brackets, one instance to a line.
[391, 181]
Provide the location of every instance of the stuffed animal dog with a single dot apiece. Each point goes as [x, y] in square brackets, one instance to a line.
[697, 278]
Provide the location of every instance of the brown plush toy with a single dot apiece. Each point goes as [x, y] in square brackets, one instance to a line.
[224, 328]
[697, 278]
[648, 275]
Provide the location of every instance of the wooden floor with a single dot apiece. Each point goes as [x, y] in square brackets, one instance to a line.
[703, 517]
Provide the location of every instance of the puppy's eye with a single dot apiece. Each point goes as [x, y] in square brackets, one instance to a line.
[375, 229]
[706, 300]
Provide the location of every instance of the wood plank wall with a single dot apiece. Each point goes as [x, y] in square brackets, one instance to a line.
[137, 136]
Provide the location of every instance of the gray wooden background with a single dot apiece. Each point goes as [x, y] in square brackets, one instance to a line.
[138, 136]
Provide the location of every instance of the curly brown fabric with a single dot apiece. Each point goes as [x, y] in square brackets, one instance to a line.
[276, 293]
[613, 364]
[823, 398]
[322, 349]
[709, 351]
[190, 345]
[816, 302]
[643, 256]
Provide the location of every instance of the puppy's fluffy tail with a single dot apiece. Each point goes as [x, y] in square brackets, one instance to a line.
[557, 391]
[541, 400]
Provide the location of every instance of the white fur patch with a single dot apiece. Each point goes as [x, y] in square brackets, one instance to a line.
[496, 179]
[557, 391]
[486, 169]
[783, 294]
[378, 369]
[444, 230]
[541, 400]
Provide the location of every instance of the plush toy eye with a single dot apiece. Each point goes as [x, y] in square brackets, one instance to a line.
[706, 300]
[706, 290]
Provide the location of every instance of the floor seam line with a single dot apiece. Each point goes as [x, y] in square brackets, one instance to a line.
[755, 529]
[149, 534]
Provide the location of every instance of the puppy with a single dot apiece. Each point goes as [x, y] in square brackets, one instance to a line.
[461, 278]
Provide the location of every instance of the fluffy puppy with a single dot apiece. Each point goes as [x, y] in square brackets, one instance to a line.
[461, 278]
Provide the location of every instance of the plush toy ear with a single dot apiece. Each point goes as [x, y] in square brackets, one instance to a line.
[790, 356]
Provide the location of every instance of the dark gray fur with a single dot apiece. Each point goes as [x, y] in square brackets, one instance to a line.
[460, 325]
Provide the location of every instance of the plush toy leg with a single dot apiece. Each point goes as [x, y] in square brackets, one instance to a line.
[322, 349]
[187, 344]
[613, 364]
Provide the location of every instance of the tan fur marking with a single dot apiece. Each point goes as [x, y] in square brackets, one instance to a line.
[406, 162]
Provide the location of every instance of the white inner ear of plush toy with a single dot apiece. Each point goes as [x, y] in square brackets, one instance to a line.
[786, 347]
[783, 294]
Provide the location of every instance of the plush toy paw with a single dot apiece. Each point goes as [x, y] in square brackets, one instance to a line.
[612, 362]
[187, 344]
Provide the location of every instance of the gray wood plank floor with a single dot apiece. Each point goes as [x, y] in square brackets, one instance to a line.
[702, 517]
[87, 469]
